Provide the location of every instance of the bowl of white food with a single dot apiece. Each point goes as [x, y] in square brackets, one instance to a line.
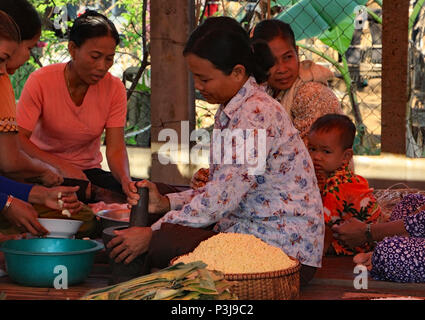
[61, 228]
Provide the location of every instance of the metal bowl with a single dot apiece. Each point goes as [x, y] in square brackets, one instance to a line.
[114, 218]
[39, 262]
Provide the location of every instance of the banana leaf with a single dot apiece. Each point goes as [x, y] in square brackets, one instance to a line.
[181, 281]
[339, 37]
[199, 285]
[281, 3]
[165, 294]
[311, 18]
[206, 281]
[224, 285]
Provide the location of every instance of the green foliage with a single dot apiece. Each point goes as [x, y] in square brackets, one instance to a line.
[56, 51]
[339, 37]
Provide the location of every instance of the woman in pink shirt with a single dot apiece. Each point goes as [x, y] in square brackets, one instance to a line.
[64, 109]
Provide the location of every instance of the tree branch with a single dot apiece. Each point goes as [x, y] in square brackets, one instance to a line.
[145, 53]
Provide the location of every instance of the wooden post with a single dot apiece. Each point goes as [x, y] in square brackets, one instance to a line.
[172, 99]
[394, 76]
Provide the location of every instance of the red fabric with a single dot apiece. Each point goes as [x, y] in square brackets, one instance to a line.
[346, 195]
[211, 10]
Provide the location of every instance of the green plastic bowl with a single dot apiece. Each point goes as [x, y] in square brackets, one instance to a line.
[49, 262]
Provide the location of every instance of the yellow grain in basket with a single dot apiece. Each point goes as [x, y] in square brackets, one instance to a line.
[238, 253]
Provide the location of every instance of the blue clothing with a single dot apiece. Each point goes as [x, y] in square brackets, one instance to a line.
[3, 199]
[402, 259]
[16, 189]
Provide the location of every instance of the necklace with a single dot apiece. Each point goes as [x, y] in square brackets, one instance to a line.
[67, 79]
[76, 100]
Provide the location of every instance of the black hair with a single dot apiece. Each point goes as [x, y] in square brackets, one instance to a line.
[9, 30]
[339, 122]
[270, 29]
[25, 16]
[224, 42]
[92, 24]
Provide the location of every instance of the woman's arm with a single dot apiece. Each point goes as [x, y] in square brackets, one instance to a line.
[21, 214]
[16, 189]
[353, 231]
[66, 169]
[16, 164]
[116, 154]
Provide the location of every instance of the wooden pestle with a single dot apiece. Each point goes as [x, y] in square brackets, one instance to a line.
[139, 215]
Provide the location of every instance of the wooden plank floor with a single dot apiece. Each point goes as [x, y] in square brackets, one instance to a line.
[334, 281]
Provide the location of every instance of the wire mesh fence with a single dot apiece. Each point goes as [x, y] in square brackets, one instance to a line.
[343, 35]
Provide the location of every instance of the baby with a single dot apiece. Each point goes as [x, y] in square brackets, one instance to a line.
[345, 195]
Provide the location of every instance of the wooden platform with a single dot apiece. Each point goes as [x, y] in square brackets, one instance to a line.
[334, 281]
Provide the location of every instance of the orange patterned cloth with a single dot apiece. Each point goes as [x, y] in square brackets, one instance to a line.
[346, 195]
[7, 106]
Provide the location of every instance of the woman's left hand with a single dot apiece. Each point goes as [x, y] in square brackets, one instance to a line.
[129, 243]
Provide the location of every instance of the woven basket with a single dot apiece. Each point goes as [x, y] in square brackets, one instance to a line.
[276, 285]
[388, 198]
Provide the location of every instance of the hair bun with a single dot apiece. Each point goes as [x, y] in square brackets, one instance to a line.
[264, 59]
[91, 13]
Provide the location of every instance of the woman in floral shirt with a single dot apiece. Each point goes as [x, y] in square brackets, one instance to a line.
[300, 86]
[276, 200]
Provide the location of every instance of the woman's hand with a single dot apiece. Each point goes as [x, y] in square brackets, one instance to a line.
[351, 232]
[200, 178]
[51, 177]
[128, 187]
[129, 243]
[157, 202]
[50, 198]
[22, 214]
[70, 171]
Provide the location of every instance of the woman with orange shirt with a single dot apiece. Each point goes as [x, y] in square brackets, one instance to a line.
[64, 109]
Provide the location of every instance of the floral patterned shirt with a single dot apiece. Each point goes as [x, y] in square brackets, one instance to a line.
[281, 205]
[346, 195]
